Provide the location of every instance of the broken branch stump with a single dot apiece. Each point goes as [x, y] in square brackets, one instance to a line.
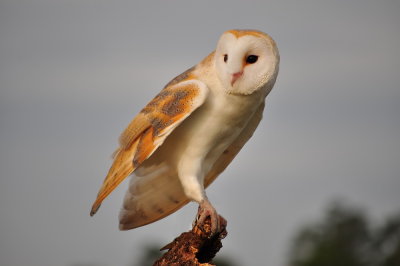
[196, 247]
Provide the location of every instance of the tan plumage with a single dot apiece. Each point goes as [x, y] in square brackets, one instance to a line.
[190, 132]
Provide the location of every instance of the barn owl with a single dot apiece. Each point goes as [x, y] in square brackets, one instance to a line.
[190, 132]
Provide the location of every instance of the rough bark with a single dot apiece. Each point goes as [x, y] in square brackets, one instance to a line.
[194, 248]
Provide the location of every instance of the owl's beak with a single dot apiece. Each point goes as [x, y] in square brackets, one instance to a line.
[236, 76]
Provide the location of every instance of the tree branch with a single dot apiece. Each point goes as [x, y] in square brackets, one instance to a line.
[196, 247]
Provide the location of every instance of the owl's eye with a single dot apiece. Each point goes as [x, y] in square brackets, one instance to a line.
[225, 58]
[251, 59]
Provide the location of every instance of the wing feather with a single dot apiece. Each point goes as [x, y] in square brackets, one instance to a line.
[150, 128]
[135, 128]
[151, 196]
[230, 153]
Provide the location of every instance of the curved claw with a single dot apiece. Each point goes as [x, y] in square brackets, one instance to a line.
[207, 210]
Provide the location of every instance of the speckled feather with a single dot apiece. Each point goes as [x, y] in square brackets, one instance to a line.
[150, 127]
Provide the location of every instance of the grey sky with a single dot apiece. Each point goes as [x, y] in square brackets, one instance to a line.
[74, 73]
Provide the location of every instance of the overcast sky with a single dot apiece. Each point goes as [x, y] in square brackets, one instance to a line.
[74, 73]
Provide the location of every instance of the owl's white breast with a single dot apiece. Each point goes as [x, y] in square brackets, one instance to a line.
[198, 142]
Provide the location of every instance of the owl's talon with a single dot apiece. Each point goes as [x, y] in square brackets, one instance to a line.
[207, 210]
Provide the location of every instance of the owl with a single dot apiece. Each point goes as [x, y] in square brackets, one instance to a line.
[189, 133]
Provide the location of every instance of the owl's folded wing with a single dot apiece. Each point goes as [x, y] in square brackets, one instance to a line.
[150, 128]
[230, 153]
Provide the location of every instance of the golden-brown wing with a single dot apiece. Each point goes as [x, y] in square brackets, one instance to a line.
[150, 127]
[231, 152]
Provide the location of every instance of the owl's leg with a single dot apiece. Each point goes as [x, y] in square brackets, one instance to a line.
[194, 189]
[207, 210]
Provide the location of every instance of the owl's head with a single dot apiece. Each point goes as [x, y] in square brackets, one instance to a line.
[246, 61]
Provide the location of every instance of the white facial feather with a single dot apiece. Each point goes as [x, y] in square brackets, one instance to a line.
[235, 50]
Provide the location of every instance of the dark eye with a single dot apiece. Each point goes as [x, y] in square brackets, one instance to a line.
[251, 59]
[225, 58]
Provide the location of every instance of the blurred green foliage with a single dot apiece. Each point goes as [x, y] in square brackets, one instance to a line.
[345, 237]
